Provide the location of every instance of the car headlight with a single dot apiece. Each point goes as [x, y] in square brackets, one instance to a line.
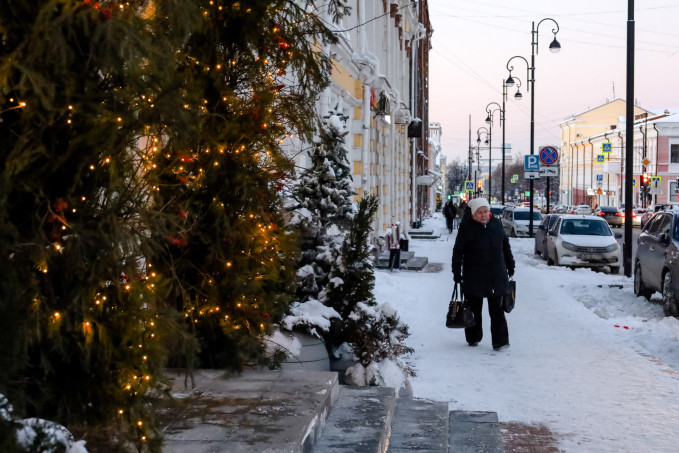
[522, 228]
[568, 246]
[612, 247]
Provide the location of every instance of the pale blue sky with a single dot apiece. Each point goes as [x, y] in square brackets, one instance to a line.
[474, 39]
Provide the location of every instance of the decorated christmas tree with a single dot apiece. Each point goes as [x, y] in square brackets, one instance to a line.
[79, 325]
[250, 73]
[140, 165]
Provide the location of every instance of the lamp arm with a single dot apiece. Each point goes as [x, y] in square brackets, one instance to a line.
[511, 68]
[555, 31]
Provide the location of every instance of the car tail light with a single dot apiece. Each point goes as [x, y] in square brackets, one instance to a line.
[619, 214]
[601, 214]
[634, 214]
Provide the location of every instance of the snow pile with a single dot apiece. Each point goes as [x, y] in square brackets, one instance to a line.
[44, 436]
[310, 314]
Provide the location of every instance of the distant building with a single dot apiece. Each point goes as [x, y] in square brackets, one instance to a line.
[586, 177]
[435, 172]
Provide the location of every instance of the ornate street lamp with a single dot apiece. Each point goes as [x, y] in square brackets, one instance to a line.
[518, 96]
[554, 47]
[489, 120]
[479, 131]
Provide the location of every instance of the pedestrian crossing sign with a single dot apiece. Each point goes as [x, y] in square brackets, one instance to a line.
[606, 147]
[469, 186]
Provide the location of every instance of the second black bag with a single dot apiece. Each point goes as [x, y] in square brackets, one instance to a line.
[509, 299]
[460, 315]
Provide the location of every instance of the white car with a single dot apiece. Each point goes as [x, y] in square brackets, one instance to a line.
[515, 221]
[583, 241]
[582, 209]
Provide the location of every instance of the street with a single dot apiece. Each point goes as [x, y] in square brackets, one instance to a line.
[590, 361]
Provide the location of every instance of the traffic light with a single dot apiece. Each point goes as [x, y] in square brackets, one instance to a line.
[644, 180]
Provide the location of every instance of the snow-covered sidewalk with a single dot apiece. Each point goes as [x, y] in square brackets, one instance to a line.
[588, 359]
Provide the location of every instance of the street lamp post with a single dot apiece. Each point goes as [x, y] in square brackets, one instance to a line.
[489, 120]
[554, 47]
[479, 131]
[518, 96]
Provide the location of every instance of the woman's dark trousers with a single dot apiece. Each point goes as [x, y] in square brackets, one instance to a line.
[498, 322]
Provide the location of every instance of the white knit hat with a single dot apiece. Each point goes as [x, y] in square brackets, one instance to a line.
[476, 203]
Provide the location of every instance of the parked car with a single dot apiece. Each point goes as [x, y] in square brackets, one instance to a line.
[583, 241]
[636, 217]
[645, 217]
[516, 221]
[582, 209]
[496, 210]
[541, 234]
[656, 266]
[611, 214]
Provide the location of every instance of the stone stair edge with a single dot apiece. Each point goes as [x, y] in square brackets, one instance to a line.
[298, 401]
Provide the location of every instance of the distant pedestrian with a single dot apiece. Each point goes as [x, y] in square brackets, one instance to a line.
[455, 218]
[482, 263]
[463, 213]
[449, 213]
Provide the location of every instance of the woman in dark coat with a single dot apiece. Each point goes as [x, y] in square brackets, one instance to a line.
[483, 263]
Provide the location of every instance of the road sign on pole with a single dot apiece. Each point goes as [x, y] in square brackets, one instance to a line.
[548, 155]
[531, 163]
[607, 147]
[469, 186]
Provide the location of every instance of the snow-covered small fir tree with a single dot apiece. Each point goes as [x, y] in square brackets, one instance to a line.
[324, 207]
[372, 331]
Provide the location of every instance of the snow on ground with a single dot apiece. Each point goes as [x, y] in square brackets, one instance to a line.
[594, 363]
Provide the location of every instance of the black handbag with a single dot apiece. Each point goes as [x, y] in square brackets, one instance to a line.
[460, 315]
[509, 299]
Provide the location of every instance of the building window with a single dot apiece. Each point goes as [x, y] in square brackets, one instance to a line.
[674, 153]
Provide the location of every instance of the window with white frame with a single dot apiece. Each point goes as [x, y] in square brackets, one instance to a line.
[674, 153]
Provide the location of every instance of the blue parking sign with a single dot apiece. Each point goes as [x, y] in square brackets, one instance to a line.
[531, 163]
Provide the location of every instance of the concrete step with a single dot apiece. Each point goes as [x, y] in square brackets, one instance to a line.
[383, 258]
[419, 425]
[425, 236]
[414, 232]
[474, 432]
[259, 411]
[359, 421]
[414, 263]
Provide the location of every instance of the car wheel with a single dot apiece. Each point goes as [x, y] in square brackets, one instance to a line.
[550, 261]
[513, 234]
[668, 300]
[615, 270]
[640, 289]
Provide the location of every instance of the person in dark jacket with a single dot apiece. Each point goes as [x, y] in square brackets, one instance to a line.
[449, 213]
[461, 209]
[483, 263]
